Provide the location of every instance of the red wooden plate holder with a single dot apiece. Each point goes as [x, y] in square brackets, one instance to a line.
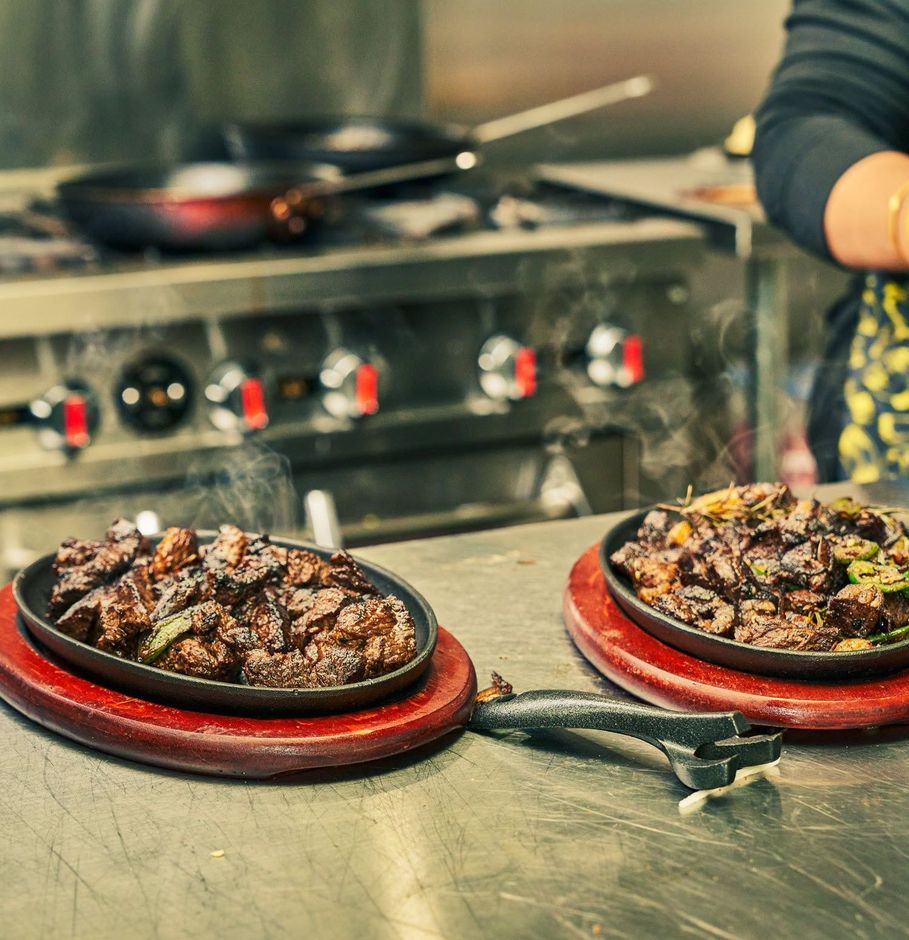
[228, 745]
[657, 673]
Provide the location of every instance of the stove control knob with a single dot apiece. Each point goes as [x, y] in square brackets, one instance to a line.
[236, 397]
[67, 416]
[615, 357]
[507, 370]
[350, 385]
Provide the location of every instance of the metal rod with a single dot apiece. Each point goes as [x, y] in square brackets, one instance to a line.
[545, 114]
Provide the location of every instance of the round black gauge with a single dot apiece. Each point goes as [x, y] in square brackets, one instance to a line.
[154, 394]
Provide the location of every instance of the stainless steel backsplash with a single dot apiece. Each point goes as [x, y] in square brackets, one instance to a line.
[95, 80]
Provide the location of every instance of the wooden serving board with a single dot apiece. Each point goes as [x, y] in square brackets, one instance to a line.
[637, 662]
[228, 745]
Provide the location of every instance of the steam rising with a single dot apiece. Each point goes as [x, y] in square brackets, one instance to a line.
[253, 488]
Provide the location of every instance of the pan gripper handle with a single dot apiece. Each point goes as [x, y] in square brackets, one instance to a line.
[703, 748]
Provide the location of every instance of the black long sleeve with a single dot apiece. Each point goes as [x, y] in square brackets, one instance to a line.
[840, 94]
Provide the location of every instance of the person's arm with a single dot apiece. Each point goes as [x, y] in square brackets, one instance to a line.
[830, 130]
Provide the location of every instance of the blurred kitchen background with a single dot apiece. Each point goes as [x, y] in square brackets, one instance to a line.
[565, 329]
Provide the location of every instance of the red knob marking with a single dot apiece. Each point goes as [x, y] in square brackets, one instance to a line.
[633, 358]
[366, 389]
[525, 371]
[75, 421]
[252, 402]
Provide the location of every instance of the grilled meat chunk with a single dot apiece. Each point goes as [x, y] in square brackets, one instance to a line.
[347, 575]
[855, 610]
[177, 549]
[277, 670]
[85, 566]
[192, 656]
[653, 576]
[803, 602]
[761, 625]
[227, 550]
[186, 590]
[699, 607]
[306, 569]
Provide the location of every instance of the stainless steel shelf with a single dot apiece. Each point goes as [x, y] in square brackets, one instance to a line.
[491, 263]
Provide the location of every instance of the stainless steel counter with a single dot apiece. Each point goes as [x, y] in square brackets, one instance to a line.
[563, 834]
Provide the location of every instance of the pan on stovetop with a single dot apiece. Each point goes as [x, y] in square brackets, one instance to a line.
[32, 588]
[793, 664]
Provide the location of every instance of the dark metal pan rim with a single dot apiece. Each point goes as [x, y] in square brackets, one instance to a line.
[326, 695]
[427, 129]
[620, 587]
[107, 186]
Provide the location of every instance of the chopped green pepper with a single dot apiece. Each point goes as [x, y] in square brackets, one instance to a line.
[852, 548]
[846, 506]
[165, 633]
[890, 636]
[888, 578]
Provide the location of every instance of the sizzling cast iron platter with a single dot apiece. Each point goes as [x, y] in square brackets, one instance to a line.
[726, 652]
[32, 588]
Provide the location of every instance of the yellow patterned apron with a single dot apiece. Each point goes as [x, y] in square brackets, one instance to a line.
[874, 444]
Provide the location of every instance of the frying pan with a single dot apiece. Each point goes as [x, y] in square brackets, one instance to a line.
[211, 206]
[358, 143]
[704, 750]
[218, 206]
[793, 664]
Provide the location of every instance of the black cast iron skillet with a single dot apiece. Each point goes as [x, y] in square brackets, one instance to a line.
[191, 206]
[354, 143]
[360, 143]
[32, 589]
[704, 750]
[790, 664]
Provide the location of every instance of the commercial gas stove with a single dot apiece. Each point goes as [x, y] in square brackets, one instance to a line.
[445, 361]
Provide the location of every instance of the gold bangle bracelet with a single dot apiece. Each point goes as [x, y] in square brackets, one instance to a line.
[894, 211]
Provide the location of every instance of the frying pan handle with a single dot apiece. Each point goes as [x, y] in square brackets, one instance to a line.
[294, 200]
[564, 108]
[697, 744]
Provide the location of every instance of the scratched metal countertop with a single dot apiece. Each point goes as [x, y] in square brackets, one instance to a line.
[567, 833]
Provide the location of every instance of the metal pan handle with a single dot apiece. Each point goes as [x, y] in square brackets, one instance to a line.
[703, 749]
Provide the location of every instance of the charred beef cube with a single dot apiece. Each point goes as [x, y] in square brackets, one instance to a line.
[71, 586]
[319, 616]
[73, 553]
[338, 666]
[297, 601]
[79, 620]
[655, 527]
[811, 565]
[699, 607]
[895, 613]
[231, 586]
[177, 549]
[802, 602]
[348, 576]
[856, 610]
[800, 523]
[382, 628]
[122, 544]
[760, 625]
[187, 590]
[623, 557]
[278, 670]
[712, 563]
[269, 622]
[122, 618]
[193, 656]
[306, 569]
[653, 576]
[227, 550]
